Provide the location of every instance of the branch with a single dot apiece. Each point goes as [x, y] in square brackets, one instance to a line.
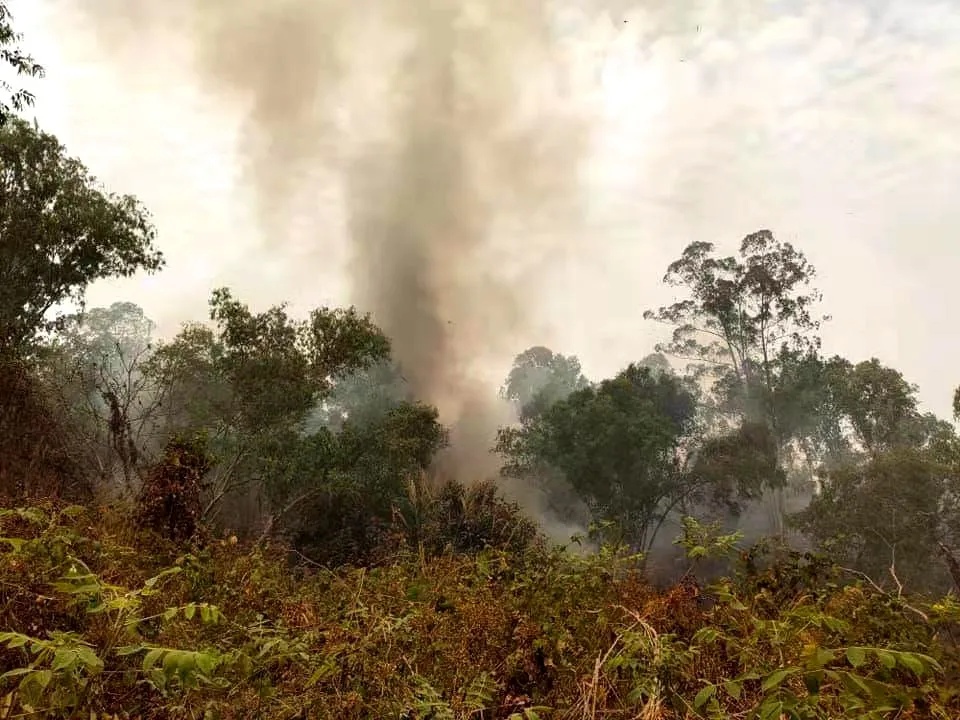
[691, 327]
[884, 592]
[302, 497]
[225, 486]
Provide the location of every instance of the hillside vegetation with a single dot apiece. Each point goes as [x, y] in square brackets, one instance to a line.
[101, 621]
[252, 517]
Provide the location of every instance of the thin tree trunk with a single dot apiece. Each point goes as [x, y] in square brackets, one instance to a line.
[952, 564]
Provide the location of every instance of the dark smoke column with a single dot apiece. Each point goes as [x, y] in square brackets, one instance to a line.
[423, 209]
[443, 149]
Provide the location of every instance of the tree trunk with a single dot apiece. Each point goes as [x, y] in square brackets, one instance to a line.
[952, 564]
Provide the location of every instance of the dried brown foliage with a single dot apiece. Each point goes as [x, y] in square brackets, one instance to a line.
[170, 500]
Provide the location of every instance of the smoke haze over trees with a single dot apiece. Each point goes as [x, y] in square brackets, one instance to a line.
[364, 438]
[739, 417]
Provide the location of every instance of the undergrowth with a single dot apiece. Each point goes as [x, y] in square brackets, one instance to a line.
[99, 621]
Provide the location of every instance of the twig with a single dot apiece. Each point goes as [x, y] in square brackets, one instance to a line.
[885, 593]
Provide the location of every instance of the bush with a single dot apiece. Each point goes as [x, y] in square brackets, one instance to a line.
[342, 527]
[169, 502]
[96, 624]
[468, 520]
[37, 452]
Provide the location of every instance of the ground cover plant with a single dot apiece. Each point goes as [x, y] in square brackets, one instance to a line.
[100, 620]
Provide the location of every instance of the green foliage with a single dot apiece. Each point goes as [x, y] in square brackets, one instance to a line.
[61, 232]
[741, 313]
[619, 446]
[701, 541]
[539, 379]
[251, 382]
[231, 633]
[736, 466]
[465, 520]
[38, 455]
[21, 63]
[338, 494]
[888, 514]
[615, 444]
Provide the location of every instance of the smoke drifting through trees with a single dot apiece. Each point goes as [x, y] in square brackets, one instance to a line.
[442, 121]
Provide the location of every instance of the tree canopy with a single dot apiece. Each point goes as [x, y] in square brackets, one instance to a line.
[22, 64]
[59, 232]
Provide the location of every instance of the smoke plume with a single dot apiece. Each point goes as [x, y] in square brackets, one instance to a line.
[456, 152]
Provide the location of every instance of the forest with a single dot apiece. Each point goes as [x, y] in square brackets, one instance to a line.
[253, 519]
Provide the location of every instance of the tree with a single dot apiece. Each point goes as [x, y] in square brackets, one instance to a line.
[839, 409]
[618, 444]
[539, 378]
[888, 483]
[97, 363]
[362, 396]
[740, 315]
[21, 63]
[250, 383]
[886, 517]
[880, 405]
[726, 469]
[333, 494]
[745, 319]
[59, 232]
[657, 362]
[38, 453]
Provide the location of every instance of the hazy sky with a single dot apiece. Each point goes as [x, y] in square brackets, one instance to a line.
[834, 123]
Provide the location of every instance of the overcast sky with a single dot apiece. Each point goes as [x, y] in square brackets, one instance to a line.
[835, 124]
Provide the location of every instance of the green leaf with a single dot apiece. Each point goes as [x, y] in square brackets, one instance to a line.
[775, 678]
[771, 709]
[171, 662]
[151, 658]
[887, 659]
[733, 688]
[856, 656]
[855, 684]
[705, 636]
[156, 578]
[207, 662]
[129, 650]
[912, 663]
[14, 640]
[63, 658]
[704, 695]
[41, 678]
[89, 659]
[16, 543]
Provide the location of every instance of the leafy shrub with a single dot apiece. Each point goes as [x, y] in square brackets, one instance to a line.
[37, 455]
[340, 528]
[469, 519]
[96, 623]
[169, 502]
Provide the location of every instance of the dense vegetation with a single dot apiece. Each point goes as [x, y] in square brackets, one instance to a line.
[136, 627]
[243, 520]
